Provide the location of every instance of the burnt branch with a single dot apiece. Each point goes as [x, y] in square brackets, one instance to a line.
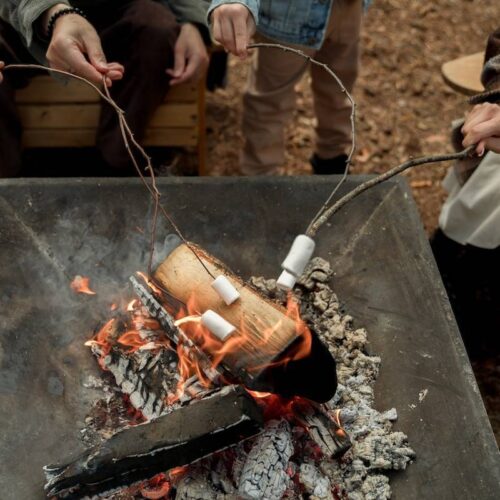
[179, 438]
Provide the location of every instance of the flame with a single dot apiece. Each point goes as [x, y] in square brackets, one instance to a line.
[101, 339]
[80, 284]
[150, 283]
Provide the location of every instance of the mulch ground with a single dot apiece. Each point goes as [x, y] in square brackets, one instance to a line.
[404, 109]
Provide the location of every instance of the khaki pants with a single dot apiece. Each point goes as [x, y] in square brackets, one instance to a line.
[269, 100]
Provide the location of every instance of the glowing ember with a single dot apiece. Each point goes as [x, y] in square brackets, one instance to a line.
[156, 488]
[80, 284]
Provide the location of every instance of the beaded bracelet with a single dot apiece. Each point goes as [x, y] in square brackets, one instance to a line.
[54, 17]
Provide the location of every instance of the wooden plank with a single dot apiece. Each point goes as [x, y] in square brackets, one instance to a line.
[463, 74]
[45, 89]
[87, 116]
[79, 138]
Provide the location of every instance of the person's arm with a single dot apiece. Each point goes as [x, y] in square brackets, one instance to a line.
[2, 65]
[482, 127]
[75, 47]
[233, 24]
[22, 15]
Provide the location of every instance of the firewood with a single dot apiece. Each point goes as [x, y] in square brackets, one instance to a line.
[178, 438]
[266, 332]
[327, 434]
[264, 474]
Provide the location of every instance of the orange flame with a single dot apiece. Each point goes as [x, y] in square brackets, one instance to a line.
[80, 284]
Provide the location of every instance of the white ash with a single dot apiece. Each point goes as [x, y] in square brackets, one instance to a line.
[264, 474]
[263, 467]
[315, 483]
[376, 446]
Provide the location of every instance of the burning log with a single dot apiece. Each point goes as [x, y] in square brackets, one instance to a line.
[175, 439]
[146, 377]
[325, 432]
[264, 473]
[272, 349]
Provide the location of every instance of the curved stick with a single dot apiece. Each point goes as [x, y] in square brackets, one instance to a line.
[128, 137]
[381, 178]
[353, 113]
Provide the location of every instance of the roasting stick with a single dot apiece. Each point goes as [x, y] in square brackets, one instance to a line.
[128, 138]
[303, 246]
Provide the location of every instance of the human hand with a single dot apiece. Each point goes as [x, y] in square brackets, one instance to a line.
[233, 26]
[190, 56]
[482, 127]
[75, 47]
[2, 66]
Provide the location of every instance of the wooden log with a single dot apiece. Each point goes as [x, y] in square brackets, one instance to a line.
[332, 440]
[266, 335]
[178, 438]
[266, 328]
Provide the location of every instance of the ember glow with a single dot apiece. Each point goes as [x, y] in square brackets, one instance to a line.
[200, 353]
[81, 284]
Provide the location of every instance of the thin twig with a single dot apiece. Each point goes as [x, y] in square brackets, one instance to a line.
[128, 137]
[353, 114]
[383, 177]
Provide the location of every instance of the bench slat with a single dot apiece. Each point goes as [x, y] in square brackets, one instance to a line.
[87, 116]
[45, 89]
[64, 138]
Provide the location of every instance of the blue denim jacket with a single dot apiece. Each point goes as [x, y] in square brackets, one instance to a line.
[300, 22]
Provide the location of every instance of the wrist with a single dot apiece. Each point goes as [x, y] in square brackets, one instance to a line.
[47, 15]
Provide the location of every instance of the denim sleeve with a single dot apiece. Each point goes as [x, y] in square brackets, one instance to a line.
[251, 5]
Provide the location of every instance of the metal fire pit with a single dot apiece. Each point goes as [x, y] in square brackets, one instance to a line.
[52, 230]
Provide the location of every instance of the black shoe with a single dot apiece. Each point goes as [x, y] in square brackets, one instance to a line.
[329, 166]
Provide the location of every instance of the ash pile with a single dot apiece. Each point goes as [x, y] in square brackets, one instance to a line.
[267, 448]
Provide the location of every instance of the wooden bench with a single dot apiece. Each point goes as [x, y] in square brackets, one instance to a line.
[464, 74]
[55, 115]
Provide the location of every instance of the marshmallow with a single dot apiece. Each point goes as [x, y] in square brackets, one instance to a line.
[217, 325]
[299, 255]
[225, 289]
[286, 281]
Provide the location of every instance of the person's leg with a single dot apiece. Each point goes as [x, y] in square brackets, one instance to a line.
[340, 51]
[268, 105]
[11, 51]
[141, 36]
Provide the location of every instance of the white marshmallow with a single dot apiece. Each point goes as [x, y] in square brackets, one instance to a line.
[286, 281]
[225, 289]
[299, 255]
[217, 325]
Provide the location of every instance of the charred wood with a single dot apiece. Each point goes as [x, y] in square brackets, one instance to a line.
[323, 430]
[167, 322]
[175, 439]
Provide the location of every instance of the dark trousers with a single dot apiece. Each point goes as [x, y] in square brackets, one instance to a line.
[140, 34]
